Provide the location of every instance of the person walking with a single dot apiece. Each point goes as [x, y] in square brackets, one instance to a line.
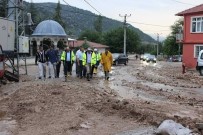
[40, 60]
[52, 59]
[136, 56]
[98, 58]
[72, 62]
[68, 58]
[58, 65]
[79, 63]
[89, 59]
[107, 62]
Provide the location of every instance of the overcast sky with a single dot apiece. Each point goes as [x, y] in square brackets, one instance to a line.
[154, 12]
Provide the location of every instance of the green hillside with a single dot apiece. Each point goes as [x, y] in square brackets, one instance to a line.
[78, 20]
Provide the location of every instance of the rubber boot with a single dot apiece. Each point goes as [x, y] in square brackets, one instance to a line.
[65, 78]
[105, 75]
[88, 77]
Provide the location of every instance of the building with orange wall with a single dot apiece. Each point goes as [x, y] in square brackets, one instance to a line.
[192, 35]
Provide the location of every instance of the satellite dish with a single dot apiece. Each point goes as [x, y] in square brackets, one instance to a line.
[30, 22]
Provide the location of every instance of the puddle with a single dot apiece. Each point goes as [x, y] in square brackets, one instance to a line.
[125, 92]
[117, 84]
[7, 127]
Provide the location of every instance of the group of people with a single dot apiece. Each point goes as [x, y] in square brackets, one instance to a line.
[86, 60]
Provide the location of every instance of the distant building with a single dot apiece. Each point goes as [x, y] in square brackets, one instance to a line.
[192, 34]
[78, 43]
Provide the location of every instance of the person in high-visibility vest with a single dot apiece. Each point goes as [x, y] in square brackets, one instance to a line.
[98, 58]
[68, 58]
[89, 59]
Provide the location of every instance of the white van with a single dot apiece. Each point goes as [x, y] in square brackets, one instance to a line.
[199, 66]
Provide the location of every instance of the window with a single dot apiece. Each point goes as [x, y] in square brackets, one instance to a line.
[197, 49]
[197, 25]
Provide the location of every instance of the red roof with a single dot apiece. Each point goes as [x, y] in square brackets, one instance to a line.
[78, 43]
[197, 9]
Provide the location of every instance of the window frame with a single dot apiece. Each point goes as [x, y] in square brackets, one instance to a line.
[196, 21]
[195, 47]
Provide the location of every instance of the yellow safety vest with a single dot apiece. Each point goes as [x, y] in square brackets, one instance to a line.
[93, 59]
[63, 56]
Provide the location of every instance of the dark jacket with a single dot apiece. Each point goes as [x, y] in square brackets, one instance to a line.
[40, 57]
[52, 56]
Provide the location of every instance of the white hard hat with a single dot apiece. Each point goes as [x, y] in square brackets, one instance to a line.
[89, 49]
[95, 50]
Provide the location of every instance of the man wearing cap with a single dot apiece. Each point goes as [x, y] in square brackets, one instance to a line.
[98, 58]
[68, 58]
[107, 62]
[89, 59]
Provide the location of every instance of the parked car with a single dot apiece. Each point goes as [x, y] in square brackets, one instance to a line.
[151, 58]
[199, 66]
[119, 59]
[175, 58]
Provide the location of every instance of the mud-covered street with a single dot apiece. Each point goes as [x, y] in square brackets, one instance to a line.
[136, 99]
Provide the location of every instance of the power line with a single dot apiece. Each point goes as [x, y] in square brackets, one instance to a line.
[149, 24]
[66, 2]
[93, 7]
[183, 2]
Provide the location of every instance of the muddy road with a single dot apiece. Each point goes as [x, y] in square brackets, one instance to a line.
[135, 101]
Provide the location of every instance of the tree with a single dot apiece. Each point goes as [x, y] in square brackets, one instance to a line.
[3, 6]
[98, 24]
[114, 39]
[57, 15]
[170, 45]
[34, 13]
[92, 36]
[175, 28]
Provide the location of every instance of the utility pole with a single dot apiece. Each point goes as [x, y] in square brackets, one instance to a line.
[15, 12]
[124, 26]
[157, 51]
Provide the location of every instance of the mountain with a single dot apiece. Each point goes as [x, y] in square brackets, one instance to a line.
[78, 20]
